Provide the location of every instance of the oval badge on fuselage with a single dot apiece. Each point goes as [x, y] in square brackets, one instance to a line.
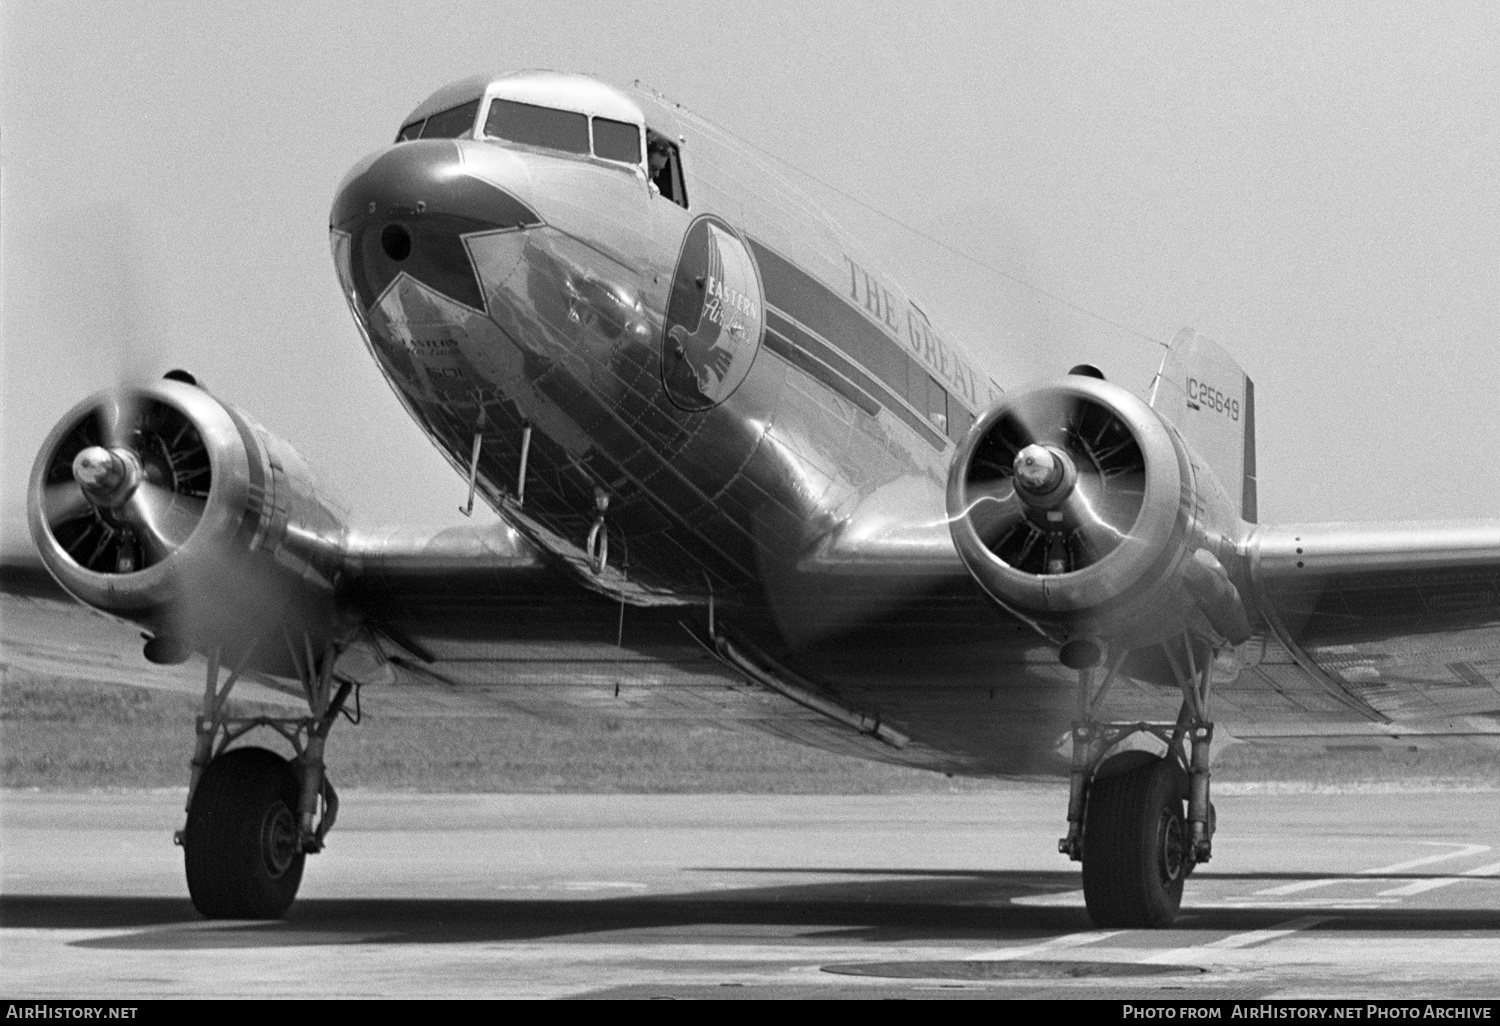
[715, 317]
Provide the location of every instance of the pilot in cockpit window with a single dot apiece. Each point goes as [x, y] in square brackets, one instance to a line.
[658, 157]
[664, 168]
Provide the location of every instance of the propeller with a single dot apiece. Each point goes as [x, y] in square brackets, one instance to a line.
[138, 495]
[127, 485]
[1056, 485]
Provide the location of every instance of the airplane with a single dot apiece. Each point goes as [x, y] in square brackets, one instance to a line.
[734, 457]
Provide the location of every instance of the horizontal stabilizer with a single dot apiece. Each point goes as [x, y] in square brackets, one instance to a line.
[1208, 397]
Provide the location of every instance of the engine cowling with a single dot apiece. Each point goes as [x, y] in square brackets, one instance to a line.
[1078, 509]
[162, 505]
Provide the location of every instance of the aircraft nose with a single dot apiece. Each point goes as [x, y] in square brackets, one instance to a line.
[409, 209]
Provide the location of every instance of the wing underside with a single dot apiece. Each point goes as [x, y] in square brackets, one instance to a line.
[1387, 633]
[1400, 620]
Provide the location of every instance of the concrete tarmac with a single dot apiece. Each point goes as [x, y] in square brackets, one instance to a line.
[1353, 896]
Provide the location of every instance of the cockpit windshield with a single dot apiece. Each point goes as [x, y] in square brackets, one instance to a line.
[530, 125]
[445, 124]
[564, 130]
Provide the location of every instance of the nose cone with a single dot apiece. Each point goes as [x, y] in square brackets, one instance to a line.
[409, 210]
[1044, 476]
[106, 477]
[1037, 469]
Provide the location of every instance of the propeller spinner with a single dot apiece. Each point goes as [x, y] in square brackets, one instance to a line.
[1056, 485]
[127, 486]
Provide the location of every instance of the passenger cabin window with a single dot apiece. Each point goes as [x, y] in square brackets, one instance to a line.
[664, 166]
[959, 421]
[530, 125]
[446, 124]
[937, 404]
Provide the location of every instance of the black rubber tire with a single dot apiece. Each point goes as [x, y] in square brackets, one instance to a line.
[240, 845]
[1135, 845]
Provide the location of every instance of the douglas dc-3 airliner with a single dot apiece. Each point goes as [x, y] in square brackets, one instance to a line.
[743, 479]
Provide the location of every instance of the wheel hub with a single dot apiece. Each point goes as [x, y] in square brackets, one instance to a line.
[1173, 846]
[278, 839]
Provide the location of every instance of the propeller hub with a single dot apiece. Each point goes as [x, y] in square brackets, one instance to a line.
[108, 477]
[1044, 476]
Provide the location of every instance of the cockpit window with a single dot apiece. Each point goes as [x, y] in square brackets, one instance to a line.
[617, 140]
[538, 126]
[453, 122]
[445, 124]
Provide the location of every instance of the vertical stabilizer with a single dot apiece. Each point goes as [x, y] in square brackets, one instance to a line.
[1206, 395]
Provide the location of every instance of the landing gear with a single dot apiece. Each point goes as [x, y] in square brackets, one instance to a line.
[1136, 850]
[1137, 821]
[252, 816]
[240, 844]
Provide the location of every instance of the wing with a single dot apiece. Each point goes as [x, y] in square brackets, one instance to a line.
[1388, 632]
[45, 632]
[1400, 619]
[484, 623]
[473, 622]
[1385, 631]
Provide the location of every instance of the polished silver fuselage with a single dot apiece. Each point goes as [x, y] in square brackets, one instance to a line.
[572, 344]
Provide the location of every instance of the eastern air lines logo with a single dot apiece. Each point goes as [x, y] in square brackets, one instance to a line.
[715, 317]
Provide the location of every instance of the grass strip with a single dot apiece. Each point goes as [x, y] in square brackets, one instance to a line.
[60, 734]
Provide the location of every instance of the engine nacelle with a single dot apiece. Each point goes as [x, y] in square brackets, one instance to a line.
[1079, 509]
[165, 506]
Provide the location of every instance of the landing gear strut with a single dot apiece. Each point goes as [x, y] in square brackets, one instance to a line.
[253, 816]
[1126, 820]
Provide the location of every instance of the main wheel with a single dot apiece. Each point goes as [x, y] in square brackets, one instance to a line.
[1135, 842]
[240, 845]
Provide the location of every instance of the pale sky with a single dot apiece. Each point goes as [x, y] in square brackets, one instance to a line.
[1316, 186]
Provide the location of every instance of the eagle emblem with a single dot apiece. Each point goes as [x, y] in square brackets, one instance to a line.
[715, 317]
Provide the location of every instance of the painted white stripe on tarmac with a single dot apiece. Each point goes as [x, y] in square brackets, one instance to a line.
[1339, 904]
[1237, 940]
[1195, 900]
[1400, 867]
[1071, 940]
[1058, 899]
[1421, 886]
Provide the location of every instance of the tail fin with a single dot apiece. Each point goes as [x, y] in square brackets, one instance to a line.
[1209, 398]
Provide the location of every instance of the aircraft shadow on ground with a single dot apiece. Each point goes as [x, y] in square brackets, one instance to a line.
[879, 906]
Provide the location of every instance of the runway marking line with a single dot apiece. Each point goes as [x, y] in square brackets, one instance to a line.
[1493, 869]
[1057, 899]
[1237, 940]
[1070, 940]
[1399, 867]
[1339, 905]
